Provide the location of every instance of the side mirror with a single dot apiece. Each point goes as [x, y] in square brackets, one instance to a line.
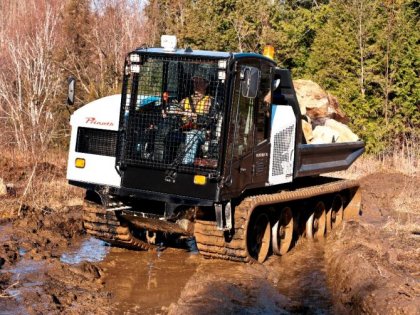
[250, 81]
[276, 84]
[71, 92]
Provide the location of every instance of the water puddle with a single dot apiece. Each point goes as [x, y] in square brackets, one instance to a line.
[91, 250]
[147, 282]
[22, 251]
[154, 282]
[5, 232]
[25, 267]
[27, 275]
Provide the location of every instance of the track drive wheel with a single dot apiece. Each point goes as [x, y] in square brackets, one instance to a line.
[283, 232]
[258, 236]
[315, 225]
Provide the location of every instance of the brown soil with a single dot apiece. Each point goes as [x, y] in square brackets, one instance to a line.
[374, 268]
[48, 265]
[33, 280]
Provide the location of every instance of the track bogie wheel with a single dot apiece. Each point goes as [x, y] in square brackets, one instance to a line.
[336, 212]
[282, 232]
[258, 236]
[315, 225]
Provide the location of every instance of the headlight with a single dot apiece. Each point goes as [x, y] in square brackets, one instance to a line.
[134, 58]
[135, 68]
[222, 64]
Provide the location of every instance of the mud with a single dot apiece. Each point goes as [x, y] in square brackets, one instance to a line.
[34, 279]
[147, 282]
[294, 284]
[373, 265]
[49, 266]
[364, 276]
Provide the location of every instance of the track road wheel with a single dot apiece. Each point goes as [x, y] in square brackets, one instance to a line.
[258, 236]
[315, 225]
[336, 211]
[283, 232]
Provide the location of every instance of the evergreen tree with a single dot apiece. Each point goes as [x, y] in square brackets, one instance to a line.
[403, 94]
[231, 25]
[294, 27]
[366, 55]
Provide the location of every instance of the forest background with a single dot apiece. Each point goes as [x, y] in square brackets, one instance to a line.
[365, 52]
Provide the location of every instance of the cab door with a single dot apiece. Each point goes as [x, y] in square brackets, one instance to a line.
[262, 119]
[239, 166]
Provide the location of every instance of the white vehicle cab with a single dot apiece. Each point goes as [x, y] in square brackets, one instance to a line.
[94, 130]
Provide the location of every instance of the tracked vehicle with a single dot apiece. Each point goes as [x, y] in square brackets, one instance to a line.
[239, 176]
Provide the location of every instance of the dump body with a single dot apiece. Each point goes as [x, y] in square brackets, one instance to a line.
[315, 159]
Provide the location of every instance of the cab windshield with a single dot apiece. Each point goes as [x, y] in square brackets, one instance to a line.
[173, 114]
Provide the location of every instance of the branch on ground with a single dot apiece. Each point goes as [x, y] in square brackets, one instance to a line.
[5, 295]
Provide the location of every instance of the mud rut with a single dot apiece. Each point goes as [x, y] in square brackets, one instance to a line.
[178, 282]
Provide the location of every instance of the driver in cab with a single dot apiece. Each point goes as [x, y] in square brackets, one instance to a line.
[199, 103]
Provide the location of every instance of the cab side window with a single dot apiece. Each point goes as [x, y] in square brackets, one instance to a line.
[243, 113]
[262, 117]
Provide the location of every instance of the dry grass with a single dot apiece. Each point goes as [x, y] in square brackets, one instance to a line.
[36, 183]
[406, 216]
[366, 165]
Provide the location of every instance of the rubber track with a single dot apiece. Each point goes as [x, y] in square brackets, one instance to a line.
[106, 226]
[213, 243]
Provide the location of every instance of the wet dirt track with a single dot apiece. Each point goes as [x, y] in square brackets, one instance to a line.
[48, 266]
[177, 282]
[172, 281]
[146, 282]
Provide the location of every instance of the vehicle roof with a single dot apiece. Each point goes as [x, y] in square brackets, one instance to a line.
[202, 53]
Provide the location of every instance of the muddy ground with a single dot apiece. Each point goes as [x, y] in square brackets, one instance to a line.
[49, 266]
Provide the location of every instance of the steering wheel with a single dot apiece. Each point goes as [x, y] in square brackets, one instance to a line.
[175, 107]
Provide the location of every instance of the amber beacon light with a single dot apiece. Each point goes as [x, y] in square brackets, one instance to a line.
[269, 51]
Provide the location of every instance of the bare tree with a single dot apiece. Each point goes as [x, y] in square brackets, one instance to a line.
[29, 83]
[95, 56]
